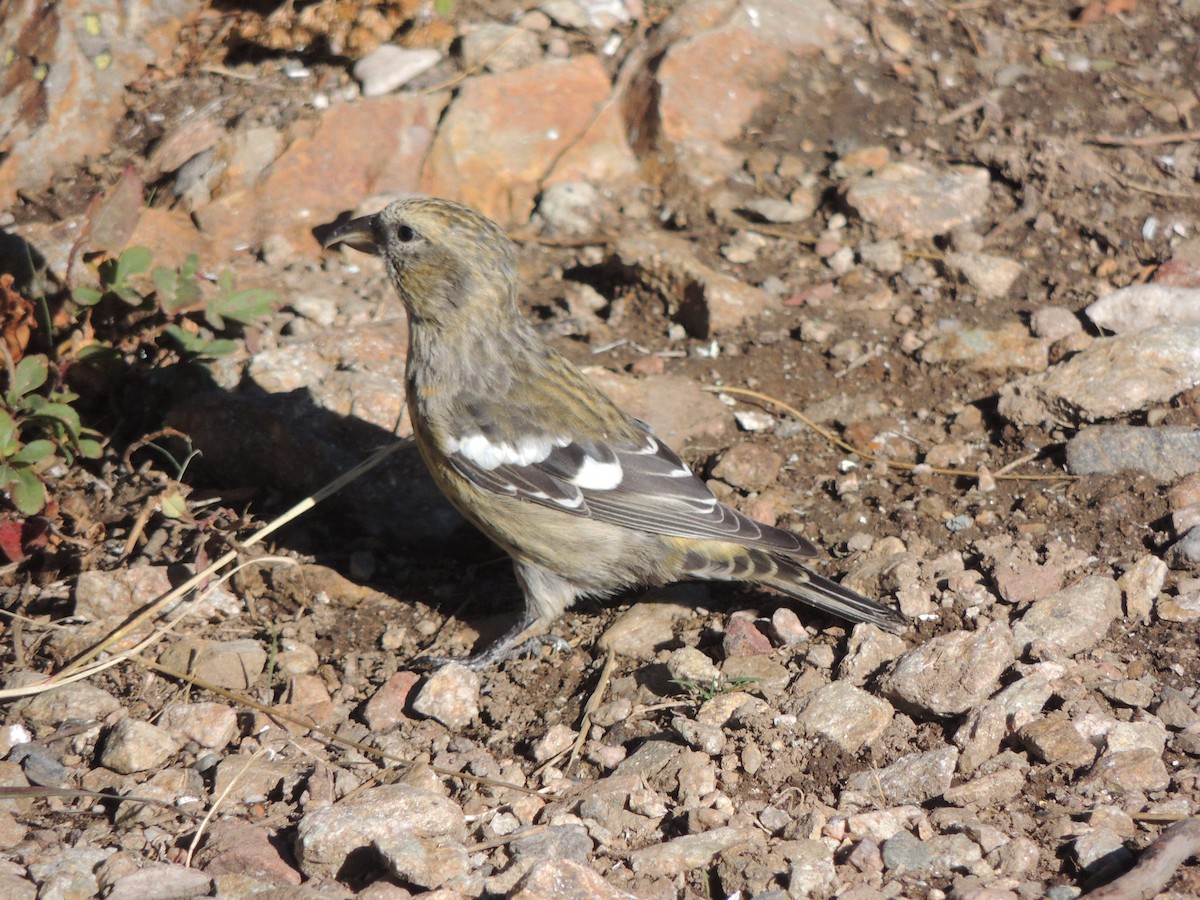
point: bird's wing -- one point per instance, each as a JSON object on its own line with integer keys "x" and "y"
{"x": 637, "y": 482}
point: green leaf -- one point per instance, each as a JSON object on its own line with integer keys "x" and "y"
{"x": 219, "y": 347}
{"x": 34, "y": 451}
{"x": 244, "y": 307}
{"x": 28, "y": 492}
{"x": 8, "y": 435}
{"x": 90, "y": 449}
{"x": 173, "y": 505}
{"x": 86, "y": 296}
{"x": 133, "y": 261}
{"x": 444, "y": 8}
{"x": 177, "y": 288}
{"x": 62, "y": 413}
{"x": 188, "y": 342}
{"x": 30, "y": 374}
{"x": 130, "y": 296}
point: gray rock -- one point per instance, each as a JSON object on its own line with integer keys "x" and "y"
{"x": 907, "y": 200}
{"x": 643, "y": 628}
{"x": 1009, "y": 347}
{"x": 1100, "y": 851}
{"x": 421, "y": 861}
{"x": 160, "y": 881}
{"x": 868, "y": 649}
{"x": 79, "y": 702}
{"x": 248, "y": 780}
{"x": 772, "y": 209}
{"x": 950, "y": 673}
{"x": 388, "y": 67}
{"x": 648, "y": 760}
{"x": 692, "y": 851}
{"x": 913, "y": 778}
{"x": 844, "y": 714}
{"x": 1175, "y": 710}
{"x": 557, "y": 739}
{"x": 211, "y": 725}
{"x": 885, "y": 257}
{"x": 953, "y": 853}
{"x": 555, "y": 842}
{"x": 100, "y": 595}
{"x": 134, "y": 746}
{"x": 316, "y": 308}
{"x": 987, "y": 791}
{"x": 500, "y": 48}
{"x": 1164, "y": 453}
{"x": 1018, "y": 858}
{"x": 326, "y": 836}
{"x": 229, "y": 664}
{"x": 14, "y": 887}
{"x": 1142, "y": 306}
{"x": 1128, "y": 692}
{"x": 11, "y": 775}
{"x": 700, "y": 736}
{"x": 1130, "y": 770}
{"x": 812, "y": 873}
{"x": 788, "y": 629}
{"x": 570, "y": 208}
{"x": 450, "y": 695}
{"x": 1054, "y": 739}
{"x": 1071, "y": 620}
{"x": 1141, "y": 584}
{"x": 903, "y": 850}
{"x": 234, "y": 846}
{"x": 1112, "y": 377}
{"x": 1054, "y": 323}
{"x": 992, "y": 276}
{"x": 1185, "y": 551}
{"x": 39, "y": 766}
{"x": 987, "y": 725}
{"x": 1184, "y": 607}
{"x": 69, "y": 874}
{"x": 565, "y": 879}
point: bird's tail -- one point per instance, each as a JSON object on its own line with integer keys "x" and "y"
{"x": 797, "y": 581}
{"x": 786, "y": 575}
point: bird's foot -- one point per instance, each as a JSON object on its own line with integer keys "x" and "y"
{"x": 513, "y": 645}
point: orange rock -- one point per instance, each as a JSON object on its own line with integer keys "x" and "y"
{"x": 506, "y": 132}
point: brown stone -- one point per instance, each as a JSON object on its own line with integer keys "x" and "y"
{"x": 236, "y": 847}
{"x": 63, "y": 93}
{"x": 505, "y": 132}
{"x": 674, "y": 406}
{"x": 372, "y": 146}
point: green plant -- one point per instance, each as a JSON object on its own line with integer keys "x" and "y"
{"x": 35, "y": 429}
{"x": 179, "y": 293}
{"x": 115, "y": 274}
{"x": 706, "y": 690}
{"x": 189, "y": 318}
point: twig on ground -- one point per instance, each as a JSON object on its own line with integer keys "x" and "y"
{"x": 1158, "y": 864}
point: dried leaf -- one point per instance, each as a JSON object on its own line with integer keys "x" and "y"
{"x": 113, "y": 216}
{"x": 17, "y": 319}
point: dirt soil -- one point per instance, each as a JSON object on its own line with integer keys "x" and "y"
{"x": 1080, "y": 212}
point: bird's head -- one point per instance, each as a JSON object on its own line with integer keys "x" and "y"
{"x": 445, "y": 260}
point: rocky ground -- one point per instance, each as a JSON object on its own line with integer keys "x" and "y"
{"x": 960, "y": 240}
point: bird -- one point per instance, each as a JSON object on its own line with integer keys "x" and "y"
{"x": 585, "y": 498}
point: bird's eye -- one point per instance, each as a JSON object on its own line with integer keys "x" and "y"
{"x": 406, "y": 234}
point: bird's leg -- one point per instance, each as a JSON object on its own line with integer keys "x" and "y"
{"x": 511, "y": 645}
{"x": 546, "y": 596}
